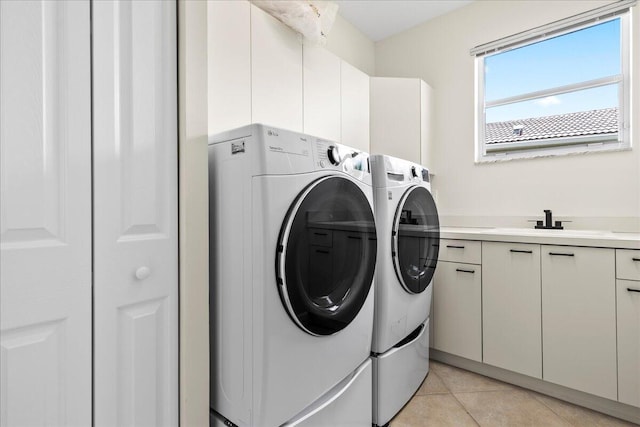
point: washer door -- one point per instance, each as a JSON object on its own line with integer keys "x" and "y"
{"x": 326, "y": 255}
{"x": 416, "y": 239}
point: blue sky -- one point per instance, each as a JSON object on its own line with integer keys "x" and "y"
{"x": 575, "y": 57}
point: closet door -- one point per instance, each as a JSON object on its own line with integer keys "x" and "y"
{"x": 135, "y": 213}
{"x": 45, "y": 220}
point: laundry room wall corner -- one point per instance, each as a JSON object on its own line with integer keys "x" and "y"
{"x": 193, "y": 211}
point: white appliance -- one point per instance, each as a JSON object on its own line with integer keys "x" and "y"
{"x": 293, "y": 254}
{"x": 408, "y": 246}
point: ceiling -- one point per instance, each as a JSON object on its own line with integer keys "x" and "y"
{"x": 379, "y": 19}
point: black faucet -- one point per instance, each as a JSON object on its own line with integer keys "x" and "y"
{"x": 548, "y": 222}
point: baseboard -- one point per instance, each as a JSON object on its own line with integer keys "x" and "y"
{"x": 600, "y": 404}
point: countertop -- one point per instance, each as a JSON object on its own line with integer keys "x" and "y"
{"x": 591, "y": 238}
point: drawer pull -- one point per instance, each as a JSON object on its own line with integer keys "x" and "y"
{"x": 455, "y": 247}
{"x": 635, "y": 259}
{"x": 633, "y": 290}
{"x": 560, "y": 254}
{"x": 520, "y": 251}
{"x": 465, "y": 271}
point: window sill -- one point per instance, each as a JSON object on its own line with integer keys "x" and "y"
{"x": 551, "y": 152}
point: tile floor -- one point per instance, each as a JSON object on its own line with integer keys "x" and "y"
{"x": 455, "y": 397}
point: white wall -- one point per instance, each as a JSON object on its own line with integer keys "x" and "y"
{"x": 600, "y": 190}
{"x": 348, "y": 43}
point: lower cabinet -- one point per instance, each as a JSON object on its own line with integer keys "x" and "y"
{"x": 628, "y": 298}
{"x": 579, "y": 319}
{"x": 565, "y": 314}
{"x": 457, "y": 309}
{"x": 511, "y": 312}
{"x": 628, "y": 305}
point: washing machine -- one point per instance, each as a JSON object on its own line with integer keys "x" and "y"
{"x": 292, "y": 260}
{"x": 408, "y": 246}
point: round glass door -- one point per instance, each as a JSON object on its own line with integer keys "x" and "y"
{"x": 326, "y": 255}
{"x": 416, "y": 239}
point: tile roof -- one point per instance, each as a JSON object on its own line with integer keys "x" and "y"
{"x": 594, "y": 122}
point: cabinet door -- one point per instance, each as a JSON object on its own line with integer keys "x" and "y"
{"x": 321, "y": 73}
{"x": 396, "y": 123}
{"x": 276, "y": 72}
{"x": 229, "y": 64}
{"x": 135, "y": 213}
{"x": 427, "y": 123}
{"x": 628, "y": 298}
{"x": 511, "y": 313}
{"x": 457, "y": 309}
{"x": 355, "y": 107}
{"x": 579, "y": 319}
{"x": 45, "y": 219}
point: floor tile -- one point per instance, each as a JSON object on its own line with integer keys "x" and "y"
{"x": 507, "y": 408}
{"x": 459, "y": 380}
{"x": 441, "y": 410}
{"x": 580, "y": 416}
{"x": 432, "y": 385}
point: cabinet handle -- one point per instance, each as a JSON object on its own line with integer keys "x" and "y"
{"x": 560, "y": 254}
{"x": 455, "y": 247}
{"x": 465, "y": 271}
{"x": 633, "y": 290}
{"x": 635, "y": 259}
{"x": 520, "y": 251}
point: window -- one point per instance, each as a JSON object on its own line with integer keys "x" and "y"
{"x": 562, "y": 88}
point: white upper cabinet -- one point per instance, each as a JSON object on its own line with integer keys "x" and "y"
{"x": 276, "y": 72}
{"x": 45, "y": 217}
{"x": 355, "y": 107}
{"x": 135, "y": 213}
{"x": 260, "y": 72}
{"x": 401, "y": 118}
{"x": 229, "y": 64}
{"x": 321, "y": 76}
{"x": 579, "y": 319}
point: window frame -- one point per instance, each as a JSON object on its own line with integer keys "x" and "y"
{"x": 566, "y": 145}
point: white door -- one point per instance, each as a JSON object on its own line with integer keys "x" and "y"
{"x": 45, "y": 198}
{"x": 135, "y": 213}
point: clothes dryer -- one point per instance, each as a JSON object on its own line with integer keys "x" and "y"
{"x": 408, "y": 246}
{"x": 292, "y": 254}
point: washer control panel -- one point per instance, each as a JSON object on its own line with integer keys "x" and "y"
{"x": 337, "y": 156}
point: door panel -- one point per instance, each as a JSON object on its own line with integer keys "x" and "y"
{"x": 579, "y": 319}
{"x": 45, "y": 220}
{"x": 135, "y": 213}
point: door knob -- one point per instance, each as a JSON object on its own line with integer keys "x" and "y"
{"x": 142, "y": 273}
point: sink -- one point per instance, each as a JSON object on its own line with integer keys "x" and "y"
{"x": 543, "y": 232}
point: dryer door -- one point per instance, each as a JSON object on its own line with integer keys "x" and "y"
{"x": 326, "y": 255}
{"x": 416, "y": 239}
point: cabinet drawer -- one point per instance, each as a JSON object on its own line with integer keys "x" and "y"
{"x": 467, "y": 251}
{"x": 627, "y": 264}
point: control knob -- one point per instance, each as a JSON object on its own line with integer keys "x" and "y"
{"x": 414, "y": 174}
{"x": 334, "y": 155}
